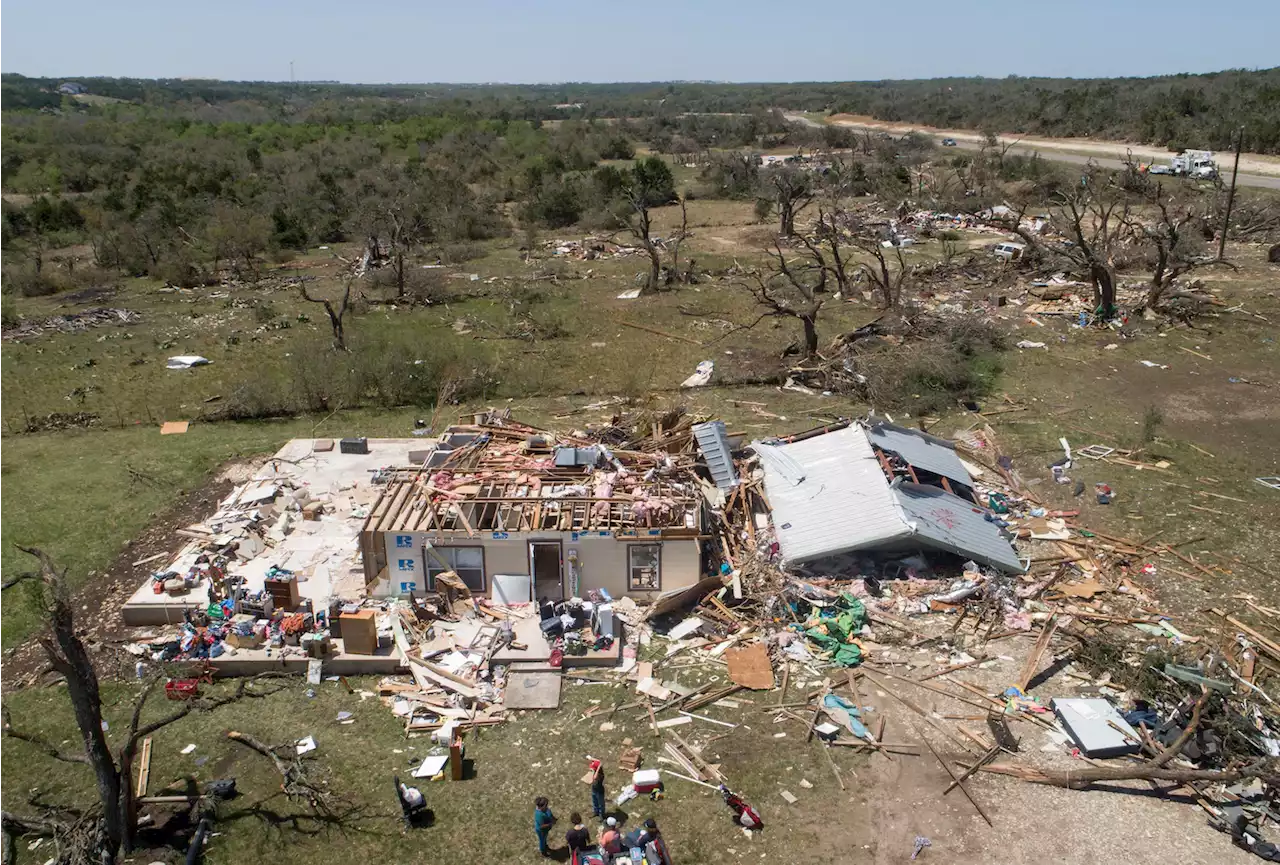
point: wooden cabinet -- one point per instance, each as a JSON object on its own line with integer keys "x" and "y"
{"x": 284, "y": 593}
{"x": 359, "y": 632}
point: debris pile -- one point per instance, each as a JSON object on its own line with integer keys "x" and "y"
{"x": 72, "y": 322}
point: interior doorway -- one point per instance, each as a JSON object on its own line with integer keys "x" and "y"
{"x": 545, "y": 563}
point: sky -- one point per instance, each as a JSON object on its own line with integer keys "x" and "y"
{"x": 525, "y": 41}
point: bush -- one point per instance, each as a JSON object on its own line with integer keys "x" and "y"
{"x": 944, "y": 362}
{"x": 28, "y": 283}
{"x": 926, "y": 377}
{"x": 9, "y": 316}
{"x": 457, "y": 253}
{"x": 265, "y": 313}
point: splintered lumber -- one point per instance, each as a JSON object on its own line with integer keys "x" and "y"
{"x": 657, "y": 332}
{"x": 438, "y": 676}
{"x": 144, "y": 768}
{"x": 955, "y": 778}
{"x": 1079, "y": 779}
{"x": 1033, "y": 660}
{"x": 695, "y": 756}
{"x": 714, "y": 696}
{"x": 1267, "y": 645}
{"x": 951, "y": 669}
{"x": 883, "y": 747}
{"x": 913, "y": 707}
{"x": 826, "y": 750}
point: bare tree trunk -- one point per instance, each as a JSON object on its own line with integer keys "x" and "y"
{"x": 399, "y": 272}
{"x": 809, "y": 322}
{"x": 1104, "y": 288}
{"x": 655, "y": 267}
{"x": 786, "y": 219}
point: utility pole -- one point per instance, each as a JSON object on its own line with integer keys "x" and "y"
{"x": 1231, "y": 195}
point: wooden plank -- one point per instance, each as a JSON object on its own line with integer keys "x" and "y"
{"x": 1033, "y": 660}
{"x": 443, "y": 678}
{"x": 955, "y": 778}
{"x": 144, "y": 769}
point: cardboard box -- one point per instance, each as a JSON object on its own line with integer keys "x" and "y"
{"x": 252, "y": 641}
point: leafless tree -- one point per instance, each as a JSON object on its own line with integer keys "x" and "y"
{"x": 337, "y": 317}
{"x": 1092, "y": 216}
{"x": 1176, "y": 240}
{"x": 639, "y": 224}
{"x": 672, "y": 271}
{"x": 789, "y": 290}
{"x": 792, "y": 189}
{"x": 835, "y": 261}
{"x": 116, "y": 815}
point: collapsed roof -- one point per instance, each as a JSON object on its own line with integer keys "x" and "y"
{"x": 511, "y": 477}
{"x": 860, "y": 488}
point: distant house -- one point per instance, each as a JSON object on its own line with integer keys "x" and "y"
{"x": 72, "y": 88}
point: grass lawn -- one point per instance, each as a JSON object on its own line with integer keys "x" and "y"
{"x": 487, "y": 817}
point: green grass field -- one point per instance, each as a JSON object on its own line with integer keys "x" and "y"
{"x": 83, "y": 494}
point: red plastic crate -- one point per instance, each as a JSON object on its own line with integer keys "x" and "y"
{"x": 181, "y": 689}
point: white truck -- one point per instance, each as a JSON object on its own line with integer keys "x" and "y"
{"x": 1197, "y": 164}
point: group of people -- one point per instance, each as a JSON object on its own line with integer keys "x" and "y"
{"x": 611, "y": 842}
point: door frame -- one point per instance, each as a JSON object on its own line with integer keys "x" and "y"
{"x": 533, "y": 573}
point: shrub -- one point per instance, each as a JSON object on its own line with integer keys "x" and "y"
{"x": 28, "y": 283}
{"x": 9, "y": 316}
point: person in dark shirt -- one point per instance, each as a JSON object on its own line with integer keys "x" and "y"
{"x": 578, "y": 838}
{"x": 597, "y": 789}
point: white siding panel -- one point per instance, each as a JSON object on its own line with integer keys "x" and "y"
{"x": 842, "y": 503}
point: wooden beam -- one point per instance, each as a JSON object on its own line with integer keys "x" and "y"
{"x": 144, "y": 769}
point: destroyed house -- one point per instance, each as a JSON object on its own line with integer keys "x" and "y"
{"x": 880, "y": 489}
{"x": 522, "y": 516}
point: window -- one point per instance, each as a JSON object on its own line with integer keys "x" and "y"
{"x": 467, "y": 562}
{"x": 644, "y": 571}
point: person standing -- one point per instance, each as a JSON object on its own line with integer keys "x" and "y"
{"x": 597, "y": 789}
{"x": 655, "y": 848}
{"x": 578, "y": 838}
{"x": 542, "y": 822}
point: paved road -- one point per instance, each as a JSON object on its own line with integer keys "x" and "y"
{"x": 1078, "y": 159}
{"x": 1258, "y": 180}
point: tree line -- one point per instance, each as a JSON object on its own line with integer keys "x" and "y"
{"x": 1175, "y": 111}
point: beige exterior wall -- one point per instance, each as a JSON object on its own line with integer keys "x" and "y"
{"x": 601, "y": 562}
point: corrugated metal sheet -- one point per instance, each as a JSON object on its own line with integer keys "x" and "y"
{"x": 921, "y": 450}
{"x": 829, "y": 496}
{"x": 948, "y": 522}
{"x": 713, "y": 441}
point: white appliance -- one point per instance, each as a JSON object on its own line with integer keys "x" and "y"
{"x": 604, "y": 619}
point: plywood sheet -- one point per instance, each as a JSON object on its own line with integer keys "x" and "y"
{"x": 749, "y": 667}
{"x": 534, "y": 690}
{"x": 174, "y": 427}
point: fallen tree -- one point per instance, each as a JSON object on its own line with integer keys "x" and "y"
{"x": 102, "y": 832}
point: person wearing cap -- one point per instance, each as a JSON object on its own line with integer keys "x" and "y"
{"x": 610, "y": 840}
{"x": 597, "y": 789}
{"x": 655, "y": 849}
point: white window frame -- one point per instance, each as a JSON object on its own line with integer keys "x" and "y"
{"x": 631, "y": 568}
{"x": 449, "y": 554}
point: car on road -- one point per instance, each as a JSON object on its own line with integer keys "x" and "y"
{"x": 948, "y": 142}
